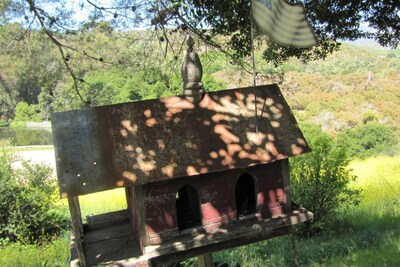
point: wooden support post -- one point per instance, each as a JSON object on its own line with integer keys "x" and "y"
{"x": 294, "y": 248}
{"x": 128, "y": 195}
{"x": 139, "y": 216}
{"x": 286, "y": 185}
{"x": 77, "y": 227}
{"x": 205, "y": 260}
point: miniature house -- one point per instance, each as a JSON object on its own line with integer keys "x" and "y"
{"x": 199, "y": 177}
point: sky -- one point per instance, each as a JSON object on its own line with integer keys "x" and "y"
{"x": 82, "y": 10}
{"x": 85, "y": 7}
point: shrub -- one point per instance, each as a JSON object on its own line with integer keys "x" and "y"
{"x": 32, "y": 136}
{"x": 25, "y": 112}
{"x": 28, "y": 213}
{"x": 211, "y": 84}
{"x": 368, "y": 140}
{"x": 320, "y": 180}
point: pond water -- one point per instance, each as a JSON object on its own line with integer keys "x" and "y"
{"x": 25, "y": 136}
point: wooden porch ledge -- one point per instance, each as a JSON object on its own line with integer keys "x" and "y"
{"x": 108, "y": 239}
{"x": 240, "y": 232}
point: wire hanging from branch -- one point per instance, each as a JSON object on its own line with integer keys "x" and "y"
{"x": 253, "y": 63}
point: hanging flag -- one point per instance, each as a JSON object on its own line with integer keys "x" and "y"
{"x": 283, "y": 22}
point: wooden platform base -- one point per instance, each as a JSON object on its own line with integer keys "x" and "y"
{"x": 108, "y": 239}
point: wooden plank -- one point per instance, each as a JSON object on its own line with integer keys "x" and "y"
{"x": 81, "y": 148}
{"x": 235, "y": 233}
{"x": 128, "y": 195}
{"x": 109, "y": 239}
{"x": 110, "y": 217}
{"x": 77, "y": 228}
{"x": 76, "y": 214}
{"x": 116, "y": 244}
{"x": 139, "y": 222}
{"x": 286, "y": 185}
{"x": 111, "y": 250}
{"x": 107, "y": 232}
{"x": 179, "y": 255}
{"x": 205, "y": 260}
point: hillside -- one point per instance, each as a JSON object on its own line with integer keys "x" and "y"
{"x": 351, "y": 87}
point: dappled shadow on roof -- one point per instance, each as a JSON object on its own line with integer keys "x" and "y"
{"x": 154, "y": 140}
{"x": 175, "y": 138}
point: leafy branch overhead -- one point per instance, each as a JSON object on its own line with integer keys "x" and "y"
{"x": 224, "y": 25}
{"x": 332, "y": 21}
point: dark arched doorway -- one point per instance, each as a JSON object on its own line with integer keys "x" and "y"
{"x": 245, "y": 195}
{"x": 188, "y": 208}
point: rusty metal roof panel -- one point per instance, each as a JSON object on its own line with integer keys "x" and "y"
{"x": 141, "y": 142}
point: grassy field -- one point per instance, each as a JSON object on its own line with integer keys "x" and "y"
{"x": 103, "y": 202}
{"x": 368, "y": 235}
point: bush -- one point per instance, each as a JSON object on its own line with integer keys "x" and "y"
{"x": 368, "y": 140}
{"x": 28, "y": 213}
{"x": 320, "y": 180}
{"x": 25, "y": 112}
{"x": 211, "y": 84}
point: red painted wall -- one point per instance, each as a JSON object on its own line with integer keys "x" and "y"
{"x": 217, "y": 197}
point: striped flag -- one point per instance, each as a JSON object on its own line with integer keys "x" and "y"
{"x": 283, "y": 22}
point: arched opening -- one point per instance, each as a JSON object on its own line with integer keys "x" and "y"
{"x": 188, "y": 208}
{"x": 245, "y": 195}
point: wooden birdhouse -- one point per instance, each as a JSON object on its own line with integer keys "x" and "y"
{"x": 202, "y": 172}
{"x": 200, "y": 176}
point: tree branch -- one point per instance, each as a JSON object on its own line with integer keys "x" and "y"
{"x": 60, "y": 47}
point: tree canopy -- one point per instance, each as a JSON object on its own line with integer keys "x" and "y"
{"x": 332, "y": 21}
{"x": 72, "y": 27}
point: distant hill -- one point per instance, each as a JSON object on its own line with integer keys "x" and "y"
{"x": 358, "y": 84}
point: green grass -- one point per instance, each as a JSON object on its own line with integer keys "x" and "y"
{"x": 380, "y": 180}
{"x": 367, "y": 235}
{"x": 98, "y": 203}
{"x": 52, "y": 255}
{"x": 387, "y": 254}
{"x": 102, "y": 202}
